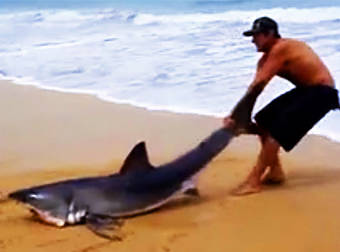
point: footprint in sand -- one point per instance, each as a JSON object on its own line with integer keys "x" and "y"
{"x": 173, "y": 238}
{"x": 166, "y": 249}
{"x": 3, "y": 196}
{"x": 177, "y": 236}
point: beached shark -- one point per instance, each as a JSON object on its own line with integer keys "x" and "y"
{"x": 139, "y": 187}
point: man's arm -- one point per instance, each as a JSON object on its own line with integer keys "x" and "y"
{"x": 267, "y": 68}
{"x": 241, "y": 113}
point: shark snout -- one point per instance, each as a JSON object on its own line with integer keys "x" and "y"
{"x": 25, "y": 196}
{"x": 18, "y": 195}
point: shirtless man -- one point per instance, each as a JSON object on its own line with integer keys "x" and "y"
{"x": 285, "y": 120}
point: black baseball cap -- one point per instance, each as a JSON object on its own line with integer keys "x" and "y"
{"x": 263, "y": 24}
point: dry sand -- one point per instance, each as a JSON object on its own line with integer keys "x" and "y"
{"x": 46, "y": 136}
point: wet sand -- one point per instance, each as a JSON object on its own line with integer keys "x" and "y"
{"x": 46, "y": 136}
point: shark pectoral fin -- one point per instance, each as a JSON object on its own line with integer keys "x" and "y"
{"x": 105, "y": 226}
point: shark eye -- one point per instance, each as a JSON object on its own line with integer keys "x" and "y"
{"x": 36, "y": 196}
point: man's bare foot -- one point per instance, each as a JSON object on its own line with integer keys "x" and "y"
{"x": 273, "y": 178}
{"x": 245, "y": 189}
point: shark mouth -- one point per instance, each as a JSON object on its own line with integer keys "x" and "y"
{"x": 47, "y": 217}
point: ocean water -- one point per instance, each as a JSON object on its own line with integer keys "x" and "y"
{"x": 186, "y": 56}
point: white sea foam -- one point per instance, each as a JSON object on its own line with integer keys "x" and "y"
{"x": 292, "y": 15}
{"x": 196, "y": 63}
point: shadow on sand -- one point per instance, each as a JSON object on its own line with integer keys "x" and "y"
{"x": 311, "y": 177}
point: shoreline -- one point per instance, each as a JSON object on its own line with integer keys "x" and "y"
{"x": 127, "y": 103}
{"x": 48, "y": 136}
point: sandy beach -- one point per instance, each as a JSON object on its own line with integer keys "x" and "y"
{"x": 47, "y": 136}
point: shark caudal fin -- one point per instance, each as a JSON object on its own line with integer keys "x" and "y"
{"x": 137, "y": 160}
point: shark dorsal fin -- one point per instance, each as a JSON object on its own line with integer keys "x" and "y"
{"x": 137, "y": 160}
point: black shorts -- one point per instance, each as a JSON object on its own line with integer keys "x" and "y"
{"x": 290, "y": 116}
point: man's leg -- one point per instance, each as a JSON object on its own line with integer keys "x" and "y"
{"x": 268, "y": 157}
{"x": 274, "y": 175}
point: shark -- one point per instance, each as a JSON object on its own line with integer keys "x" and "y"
{"x": 102, "y": 203}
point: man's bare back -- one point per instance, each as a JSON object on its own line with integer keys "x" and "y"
{"x": 297, "y": 63}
